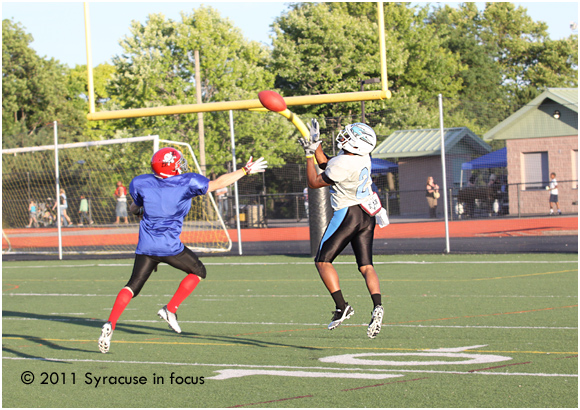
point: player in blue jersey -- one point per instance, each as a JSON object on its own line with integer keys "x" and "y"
{"x": 356, "y": 211}
{"x": 163, "y": 199}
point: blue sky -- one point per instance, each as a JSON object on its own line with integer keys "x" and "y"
{"x": 59, "y": 32}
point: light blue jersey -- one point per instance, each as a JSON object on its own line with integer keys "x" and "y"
{"x": 166, "y": 203}
{"x": 351, "y": 175}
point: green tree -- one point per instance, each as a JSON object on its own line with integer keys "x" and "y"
{"x": 510, "y": 58}
{"x": 157, "y": 68}
{"x": 102, "y": 75}
{"x": 528, "y": 59}
{"x": 34, "y": 91}
{"x": 482, "y": 97}
{"x": 329, "y": 48}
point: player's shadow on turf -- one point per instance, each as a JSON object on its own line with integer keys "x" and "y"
{"x": 29, "y": 356}
{"x": 46, "y": 343}
{"x": 89, "y": 322}
{"x": 244, "y": 341}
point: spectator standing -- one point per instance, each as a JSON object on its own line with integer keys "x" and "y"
{"x": 62, "y": 208}
{"x": 121, "y": 209}
{"x": 432, "y": 193}
{"x": 32, "y": 214}
{"x": 84, "y": 211}
{"x": 553, "y": 187}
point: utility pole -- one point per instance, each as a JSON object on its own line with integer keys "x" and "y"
{"x": 199, "y": 114}
{"x": 362, "y": 86}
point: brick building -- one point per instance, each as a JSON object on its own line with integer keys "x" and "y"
{"x": 542, "y": 138}
{"x": 418, "y": 155}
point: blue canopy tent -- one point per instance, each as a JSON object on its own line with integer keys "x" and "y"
{"x": 495, "y": 159}
{"x": 382, "y": 166}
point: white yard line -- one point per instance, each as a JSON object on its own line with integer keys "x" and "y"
{"x": 225, "y": 297}
{"x": 108, "y": 265}
{"x": 307, "y": 368}
{"x": 210, "y": 322}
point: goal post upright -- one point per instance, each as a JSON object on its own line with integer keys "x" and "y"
{"x": 382, "y": 94}
{"x": 255, "y": 104}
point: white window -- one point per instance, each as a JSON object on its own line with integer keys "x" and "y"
{"x": 536, "y": 170}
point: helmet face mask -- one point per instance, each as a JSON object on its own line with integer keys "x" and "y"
{"x": 168, "y": 162}
{"x": 357, "y": 138}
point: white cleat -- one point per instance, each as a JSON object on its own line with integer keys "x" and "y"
{"x": 170, "y": 318}
{"x": 340, "y": 316}
{"x": 105, "y": 339}
{"x": 376, "y": 322}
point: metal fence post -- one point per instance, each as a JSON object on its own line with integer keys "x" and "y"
{"x": 519, "y": 205}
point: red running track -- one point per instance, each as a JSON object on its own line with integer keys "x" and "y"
{"x": 111, "y": 236}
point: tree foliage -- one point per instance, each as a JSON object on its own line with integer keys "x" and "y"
{"x": 330, "y": 47}
{"x": 511, "y": 58}
{"x": 157, "y": 68}
{"x": 486, "y": 63}
{"x": 35, "y": 91}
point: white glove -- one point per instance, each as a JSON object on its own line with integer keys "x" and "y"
{"x": 382, "y": 218}
{"x": 311, "y": 145}
{"x": 253, "y": 167}
{"x": 314, "y": 129}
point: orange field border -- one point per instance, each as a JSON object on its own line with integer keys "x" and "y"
{"x": 81, "y": 237}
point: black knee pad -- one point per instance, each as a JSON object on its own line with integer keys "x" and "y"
{"x": 200, "y": 269}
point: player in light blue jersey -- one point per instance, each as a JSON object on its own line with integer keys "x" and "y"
{"x": 356, "y": 211}
{"x": 163, "y": 199}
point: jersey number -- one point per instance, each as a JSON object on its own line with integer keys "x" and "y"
{"x": 363, "y": 191}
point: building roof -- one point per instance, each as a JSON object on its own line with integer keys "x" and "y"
{"x": 420, "y": 143}
{"x": 536, "y": 119}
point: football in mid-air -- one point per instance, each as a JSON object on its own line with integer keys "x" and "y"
{"x": 272, "y": 101}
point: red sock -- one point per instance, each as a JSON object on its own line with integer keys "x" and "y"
{"x": 185, "y": 288}
{"x": 123, "y": 299}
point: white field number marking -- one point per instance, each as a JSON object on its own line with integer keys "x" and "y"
{"x": 452, "y": 353}
{"x": 355, "y": 359}
{"x": 233, "y": 373}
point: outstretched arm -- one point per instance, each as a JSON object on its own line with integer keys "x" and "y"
{"x": 225, "y": 180}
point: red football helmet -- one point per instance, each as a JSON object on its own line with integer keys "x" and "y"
{"x": 168, "y": 162}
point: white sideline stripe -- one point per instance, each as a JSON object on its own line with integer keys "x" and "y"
{"x": 225, "y": 297}
{"x": 70, "y": 294}
{"x": 209, "y": 322}
{"x": 107, "y": 265}
{"x": 288, "y": 367}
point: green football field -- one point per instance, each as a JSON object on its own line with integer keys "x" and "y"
{"x": 459, "y": 331}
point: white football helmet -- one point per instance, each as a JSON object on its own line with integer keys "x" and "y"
{"x": 357, "y": 138}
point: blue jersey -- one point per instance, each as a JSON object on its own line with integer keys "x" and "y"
{"x": 166, "y": 203}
